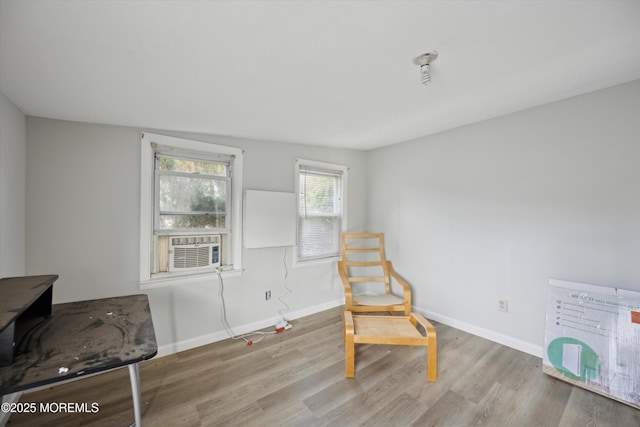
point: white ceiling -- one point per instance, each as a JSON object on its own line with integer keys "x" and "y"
{"x": 335, "y": 73}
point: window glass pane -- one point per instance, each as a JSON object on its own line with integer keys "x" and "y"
{"x": 319, "y": 237}
{"x": 187, "y": 194}
{"x": 318, "y": 194}
{"x": 171, "y": 164}
{"x": 175, "y": 222}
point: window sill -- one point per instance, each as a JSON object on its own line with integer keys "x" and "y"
{"x": 163, "y": 280}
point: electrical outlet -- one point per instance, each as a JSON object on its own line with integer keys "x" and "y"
{"x": 267, "y": 295}
{"x": 502, "y": 305}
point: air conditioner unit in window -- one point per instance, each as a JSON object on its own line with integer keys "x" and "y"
{"x": 189, "y": 253}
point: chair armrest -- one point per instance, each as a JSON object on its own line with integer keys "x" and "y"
{"x": 349, "y": 327}
{"x": 348, "y": 294}
{"x": 405, "y": 286}
{"x": 428, "y": 327}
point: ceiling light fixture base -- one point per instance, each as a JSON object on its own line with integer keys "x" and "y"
{"x": 424, "y": 61}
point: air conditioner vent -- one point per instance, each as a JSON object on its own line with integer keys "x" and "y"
{"x": 191, "y": 257}
{"x": 194, "y": 252}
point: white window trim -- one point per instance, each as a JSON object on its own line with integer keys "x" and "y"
{"x": 343, "y": 223}
{"x": 147, "y": 200}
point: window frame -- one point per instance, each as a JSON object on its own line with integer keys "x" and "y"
{"x": 319, "y": 166}
{"x": 192, "y": 149}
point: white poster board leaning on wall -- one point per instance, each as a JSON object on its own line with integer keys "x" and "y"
{"x": 269, "y": 219}
{"x": 592, "y": 339}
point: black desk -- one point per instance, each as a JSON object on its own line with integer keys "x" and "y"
{"x": 82, "y": 338}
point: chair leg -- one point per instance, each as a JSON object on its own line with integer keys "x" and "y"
{"x": 432, "y": 354}
{"x": 349, "y": 357}
{"x": 349, "y": 343}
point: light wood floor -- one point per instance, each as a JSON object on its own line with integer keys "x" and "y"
{"x": 297, "y": 379}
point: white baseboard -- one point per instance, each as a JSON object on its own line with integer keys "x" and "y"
{"x": 520, "y": 345}
{"x": 517, "y": 344}
{"x": 176, "y": 347}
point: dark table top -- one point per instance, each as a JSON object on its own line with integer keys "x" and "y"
{"x": 18, "y": 293}
{"x": 81, "y": 338}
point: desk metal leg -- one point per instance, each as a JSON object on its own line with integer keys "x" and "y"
{"x": 134, "y": 376}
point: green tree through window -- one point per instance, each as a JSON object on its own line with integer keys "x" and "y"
{"x": 192, "y": 194}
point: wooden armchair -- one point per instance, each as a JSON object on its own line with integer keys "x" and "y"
{"x": 363, "y": 268}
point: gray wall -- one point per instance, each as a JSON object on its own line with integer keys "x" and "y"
{"x": 13, "y": 149}
{"x": 495, "y": 209}
{"x": 83, "y": 214}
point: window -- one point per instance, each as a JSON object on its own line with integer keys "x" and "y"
{"x": 190, "y": 208}
{"x": 321, "y": 189}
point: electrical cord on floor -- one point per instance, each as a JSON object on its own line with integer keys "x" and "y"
{"x": 284, "y": 284}
{"x": 225, "y": 323}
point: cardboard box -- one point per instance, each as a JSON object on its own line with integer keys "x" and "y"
{"x": 592, "y": 339}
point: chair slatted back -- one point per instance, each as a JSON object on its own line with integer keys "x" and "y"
{"x": 377, "y": 247}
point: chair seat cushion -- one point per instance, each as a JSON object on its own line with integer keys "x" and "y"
{"x": 384, "y": 299}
